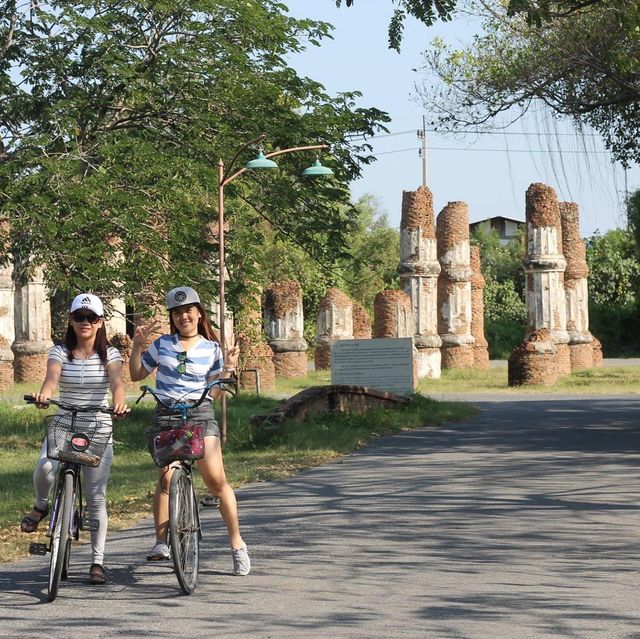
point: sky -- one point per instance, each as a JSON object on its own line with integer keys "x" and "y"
{"x": 490, "y": 173}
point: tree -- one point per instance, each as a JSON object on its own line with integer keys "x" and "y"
{"x": 113, "y": 115}
{"x": 430, "y": 11}
{"x": 584, "y": 64}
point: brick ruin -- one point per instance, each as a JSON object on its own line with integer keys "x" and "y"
{"x": 361, "y": 322}
{"x": 581, "y": 346}
{"x": 419, "y": 269}
{"x": 335, "y": 321}
{"x": 454, "y": 286}
{"x": 284, "y": 326}
{"x": 392, "y": 315}
{"x": 7, "y": 333}
{"x": 480, "y": 345}
{"x": 32, "y": 325}
{"x": 256, "y": 356}
{"x": 544, "y": 354}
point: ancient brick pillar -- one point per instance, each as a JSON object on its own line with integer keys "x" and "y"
{"x": 32, "y": 315}
{"x": 454, "y": 286}
{"x": 480, "y": 346}
{"x": 284, "y": 326}
{"x": 361, "y": 322}
{"x": 7, "y": 332}
{"x": 256, "y": 357}
{"x": 335, "y": 321}
{"x": 392, "y": 315}
{"x": 597, "y": 352}
{"x": 576, "y": 289}
{"x": 544, "y": 267}
{"x": 419, "y": 269}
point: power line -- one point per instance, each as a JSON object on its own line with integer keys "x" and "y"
{"x": 475, "y": 150}
{"x": 478, "y": 132}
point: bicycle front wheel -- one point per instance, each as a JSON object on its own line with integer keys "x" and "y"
{"x": 184, "y": 530}
{"x": 60, "y": 539}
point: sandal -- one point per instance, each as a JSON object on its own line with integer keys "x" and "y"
{"x": 29, "y": 524}
{"x": 96, "y": 575}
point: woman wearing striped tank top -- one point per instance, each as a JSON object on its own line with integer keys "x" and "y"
{"x": 85, "y": 367}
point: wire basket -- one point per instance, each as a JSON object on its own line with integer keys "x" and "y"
{"x": 172, "y": 439}
{"x": 80, "y": 440}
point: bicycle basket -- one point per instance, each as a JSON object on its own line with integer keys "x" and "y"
{"x": 82, "y": 440}
{"x": 171, "y": 440}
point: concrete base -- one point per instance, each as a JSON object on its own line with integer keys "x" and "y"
{"x": 428, "y": 362}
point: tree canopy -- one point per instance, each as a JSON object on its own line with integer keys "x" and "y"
{"x": 583, "y": 63}
{"x": 430, "y": 11}
{"x": 113, "y": 115}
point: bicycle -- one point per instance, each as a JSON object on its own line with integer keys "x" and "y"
{"x": 74, "y": 440}
{"x": 177, "y": 440}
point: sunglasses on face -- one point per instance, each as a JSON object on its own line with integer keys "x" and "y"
{"x": 81, "y": 316}
{"x": 182, "y": 362}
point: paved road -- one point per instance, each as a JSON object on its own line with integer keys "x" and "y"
{"x": 523, "y": 522}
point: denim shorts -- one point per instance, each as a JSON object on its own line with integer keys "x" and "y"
{"x": 203, "y": 414}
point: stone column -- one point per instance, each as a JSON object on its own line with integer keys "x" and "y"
{"x": 576, "y": 289}
{"x": 255, "y": 353}
{"x": 480, "y": 347}
{"x": 32, "y": 314}
{"x": 284, "y": 326}
{"x": 454, "y": 286}
{"x": 7, "y": 332}
{"x": 419, "y": 269}
{"x": 392, "y": 315}
{"x": 335, "y": 321}
{"x": 116, "y": 321}
{"x": 361, "y": 322}
{"x": 536, "y": 361}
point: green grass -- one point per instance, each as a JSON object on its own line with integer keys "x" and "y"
{"x": 252, "y": 453}
{"x": 620, "y": 380}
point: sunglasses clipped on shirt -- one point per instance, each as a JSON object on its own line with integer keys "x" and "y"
{"x": 182, "y": 362}
{"x": 83, "y": 316}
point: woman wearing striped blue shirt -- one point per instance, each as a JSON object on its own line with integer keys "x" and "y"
{"x": 185, "y": 360}
{"x": 85, "y": 367}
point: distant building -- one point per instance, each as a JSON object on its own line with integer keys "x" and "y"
{"x": 506, "y": 227}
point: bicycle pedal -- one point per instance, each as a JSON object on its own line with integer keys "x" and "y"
{"x": 36, "y": 548}
{"x": 210, "y": 502}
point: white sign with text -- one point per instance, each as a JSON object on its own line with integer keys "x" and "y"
{"x": 385, "y": 364}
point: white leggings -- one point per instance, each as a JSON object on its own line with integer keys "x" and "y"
{"x": 94, "y": 488}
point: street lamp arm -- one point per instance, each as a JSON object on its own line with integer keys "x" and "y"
{"x": 226, "y": 179}
{"x": 294, "y": 149}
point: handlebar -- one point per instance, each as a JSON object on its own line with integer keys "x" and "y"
{"x": 69, "y": 407}
{"x": 181, "y": 407}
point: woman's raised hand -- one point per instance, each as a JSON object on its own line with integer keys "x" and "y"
{"x": 231, "y": 353}
{"x": 142, "y": 332}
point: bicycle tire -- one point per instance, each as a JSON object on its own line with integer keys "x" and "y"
{"x": 60, "y": 535}
{"x": 184, "y": 530}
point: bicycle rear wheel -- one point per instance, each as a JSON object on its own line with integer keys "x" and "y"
{"x": 184, "y": 530}
{"x": 60, "y": 539}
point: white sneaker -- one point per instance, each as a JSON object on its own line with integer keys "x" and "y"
{"x": 241, "y": 561}
{"x": 160, "y": 552}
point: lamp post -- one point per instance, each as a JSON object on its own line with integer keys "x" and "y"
{"x": 225, "y": 177}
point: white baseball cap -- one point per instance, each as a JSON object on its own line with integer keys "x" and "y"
{"x": 181, "y": 296}
{"x": 89, "y": 302}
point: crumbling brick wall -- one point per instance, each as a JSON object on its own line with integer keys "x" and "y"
{"x": 576, "y": 288}
{"x": 480, "y": 346}
{"x": 335, "y": 321}
{"x": 454, "y": 286}
{"x": 284, "y": 326}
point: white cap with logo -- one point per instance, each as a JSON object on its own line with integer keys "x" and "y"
{"x": 181, "y": 296}
{"x": 89, "y": 302}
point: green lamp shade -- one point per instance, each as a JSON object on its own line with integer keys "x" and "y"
{"x": 317, "y": 169}
{"x": 261, "y": 162}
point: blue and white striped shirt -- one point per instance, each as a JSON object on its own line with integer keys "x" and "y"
{"x": 203, "y": 361}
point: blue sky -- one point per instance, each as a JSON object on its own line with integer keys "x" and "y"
{"x": 489, "y": 173}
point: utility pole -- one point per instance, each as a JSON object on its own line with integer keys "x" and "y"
{"x": 422, "y": 135}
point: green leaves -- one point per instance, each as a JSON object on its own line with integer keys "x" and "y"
{"x": 113, "y": 116}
